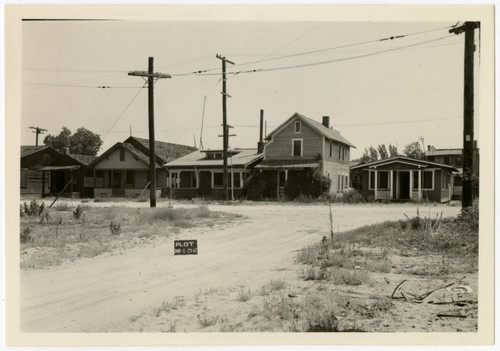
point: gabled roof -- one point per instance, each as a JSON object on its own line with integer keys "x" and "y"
{"x": 30, "y": 149}
{"x": 138, "y": 154}
{"x": 84, "y": 160}
{"x": 403, "y": 159}
{"x": 165, "y": 152}
{"x": 198, "y": 158}
{"x": 319, "y": 127}
{"x": 139, "y": 148}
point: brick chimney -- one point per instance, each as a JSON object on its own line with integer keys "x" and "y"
{"x": 260, "y": 144}
{"x": 326, "y": 121}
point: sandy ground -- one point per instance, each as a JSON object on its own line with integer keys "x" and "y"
{"x": 106, "y": 292}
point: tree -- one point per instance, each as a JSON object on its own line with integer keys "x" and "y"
{"x": 393, "y": 150}
{"x": 382, "y": 151}
{"x": 82, "y": 142}
{"x": 85, "y": 142}
{"x": 369, "y": 155}
{"x": 373, "y": 153}
{"x": 413, "y": 150}
{"x": 59, "y": 142}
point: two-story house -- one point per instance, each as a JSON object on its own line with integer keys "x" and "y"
{"x": 301, "y": 144}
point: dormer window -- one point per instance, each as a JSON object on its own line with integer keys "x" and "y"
{"x": 298, "y": 126}
{"x": 122, "y": 155}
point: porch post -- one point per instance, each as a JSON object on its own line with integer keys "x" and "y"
{"x": 286, "y": 175}
{"x": 197, "y": 177}
{"x": 111, "y": 181}
{"x": 376, "y": 187}
{"x": 397, "y": 185}
{"x": 419, "y": 184}
{"x": 411, "y": 185}
{"x": 390, "y": 186}
{"x": 93, "y": 173}
{"x": 71, "y": 187}
{"x": 43, "y": 183}
{"x": 278, "y": 188}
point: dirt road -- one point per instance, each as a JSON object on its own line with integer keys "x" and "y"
{"x": 104, "y": 293}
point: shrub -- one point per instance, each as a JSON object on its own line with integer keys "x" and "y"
{"x": 244, "y": 295}
{"x": 207, "y": 321}
{"x": 21, "y": 211}
{"x": 469, "y": 217}
{"x": 351, "y": 196}
{"x": 78, "y": 212}
{"x": 26, "y": 236}
{"x": 115, "y": 229}
{"x": 308, "y": 183}
{"x": 319, "y": 314}
{"x": 349, "y": 277}
{"x": 34, "y": 208}
{"x": 279, "y": 284}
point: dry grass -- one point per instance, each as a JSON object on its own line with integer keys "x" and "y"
{"x": 63, "y": 236}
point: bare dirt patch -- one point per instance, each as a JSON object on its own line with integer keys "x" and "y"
{"x": 126, "y": 292}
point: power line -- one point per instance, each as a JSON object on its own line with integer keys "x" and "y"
{"x": 205, "y": 71}
{"x": 84, "y": 86}
{"x": 123, "y": 112}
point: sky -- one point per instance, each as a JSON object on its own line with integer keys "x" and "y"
{"x": 375, "y": 91}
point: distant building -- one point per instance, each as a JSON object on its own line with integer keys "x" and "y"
{"x": 33, "y": 158}
{"x": 123, "y": 169}
{"x": 454, "y": 157}
{"x": 300, "y": 144}
{"x": 404, "y": 179}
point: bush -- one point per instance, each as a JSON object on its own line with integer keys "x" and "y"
{"x": 469, "y": 217}
{"x": 26, "y": 236}
{"x": 308, "y": 183}
{"x": 77, "y": 214}
{"x": 350, "y": 196}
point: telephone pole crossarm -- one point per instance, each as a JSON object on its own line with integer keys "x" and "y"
{"x": 148, "y": 75}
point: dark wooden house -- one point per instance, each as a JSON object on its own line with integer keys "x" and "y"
{"x": 33, "y": 159}
{"x": 70, "y": 176}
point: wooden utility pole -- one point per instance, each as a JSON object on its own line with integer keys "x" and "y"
{"x": 224, "y": 121}
{"x": 468, "y": 138}
{"x": 151, "y": 76}
{"x": 38, "y": 130}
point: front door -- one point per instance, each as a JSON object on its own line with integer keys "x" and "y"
{"x": 118, "y": 188}
{"x": 404, "y": 185}
{"x": 205, "y": 183}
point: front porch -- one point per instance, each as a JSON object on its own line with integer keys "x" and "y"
{"x": 124, "y": 183}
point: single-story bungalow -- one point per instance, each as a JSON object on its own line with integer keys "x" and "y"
{"x": 33, "y": 158}
{"x": 403, "y": 178}
{"x": 123, "y": 169}
{"x": 70, "y": 176}
{"x": 200, "y": 174}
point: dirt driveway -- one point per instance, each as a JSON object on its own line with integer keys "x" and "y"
{"x": 104, "y": 293}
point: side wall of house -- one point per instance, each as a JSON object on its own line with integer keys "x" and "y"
{"x": 280, "y": 148}
{"x": 337, "y": 171}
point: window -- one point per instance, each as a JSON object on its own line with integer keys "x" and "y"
{"x": 431, "y": 158}
{"x": 237, "y": 179}
{"x": 340, "y": 151}
{"x": 382, "y": 180}
{"x": 339, "y": 182}
{"x": 446, "y": 160}
{"x": 346, "y": 183}
{"x": 218, "y": 179}
{"x": 427, "y": 180}
{"x": 187, "y": 179}
{"x": 445, "y": 180}
{"x": 298, "y": 126}
{"x": 297, "y": 147}
{"x": 458, "y": 161}
{"x": 46, "y": 159}
{"x": 130, "y": 179}
{"x": 331, "y": 148}
{"x": 122, "y": 155}
{"x": 218, "y": 155}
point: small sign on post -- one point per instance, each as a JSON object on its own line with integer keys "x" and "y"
{"x": 185, "y": 247}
